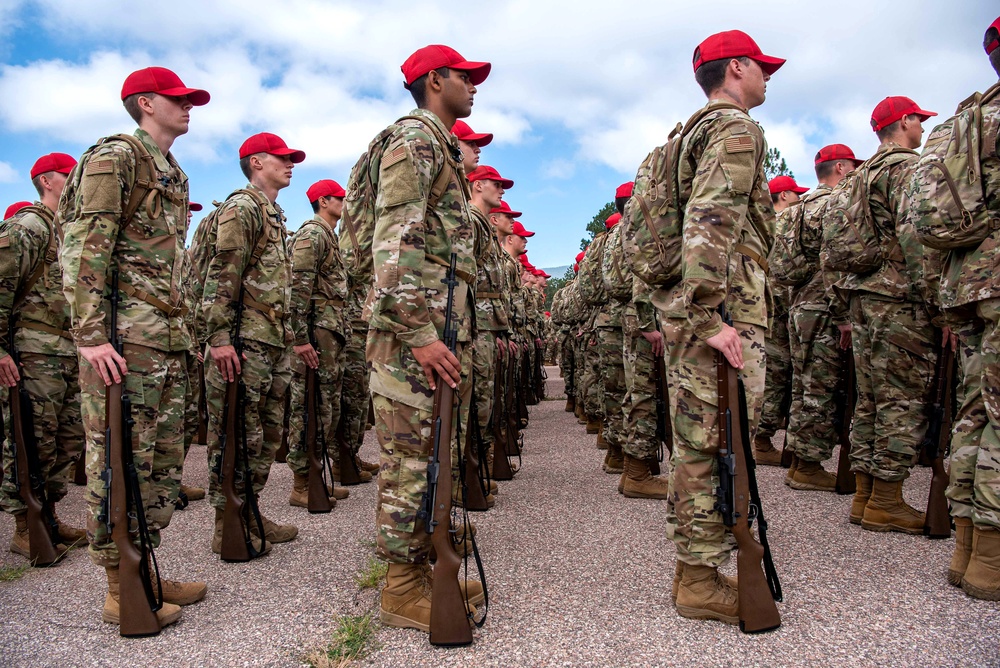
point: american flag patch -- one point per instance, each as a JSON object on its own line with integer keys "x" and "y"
{"x": 740, "y": 144}
{"x": 396, "y": 155}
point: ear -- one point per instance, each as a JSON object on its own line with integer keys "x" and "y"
{"x": 434, "y": 81}
{"x": 255, "y": 162}
{"x": 736, "y": 67}
{"x": 145, "y": 104}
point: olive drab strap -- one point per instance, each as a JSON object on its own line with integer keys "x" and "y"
{"x": 146, "y": 189}
{"x": 43, "y": 262}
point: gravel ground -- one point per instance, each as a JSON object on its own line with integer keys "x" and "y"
{"x": 577, "y": 574}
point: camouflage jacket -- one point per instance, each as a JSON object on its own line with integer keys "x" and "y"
{"x": 30, "y": 242}
{"x": 147, "y": 251}
{"x": 318, "y": 280}
{"x": 913, "y": 274}
{"x": 812, "y": 294}
{"x": 242, "y": 222}
{"x": 192, "y": 300}
{"x": 642, "y": 305}
{"x": 492, "y": 298}
{"x": 512, "y": 275}
{"x": 728, "y": 224}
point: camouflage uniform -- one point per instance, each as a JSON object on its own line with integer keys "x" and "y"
{"x": 229, "y": 248}
{"x": 412, "y": 241}
{"x": 319, "y": 284}
{"x": 640, "y": 375}
{"x": 518, "y": 313}
{"x": 49, "y": 368}
{"x": 192, "y": 299}
{"x": 563, "y": 338}
{"x": 148, "y": 252}
{"x": 774, "y": 414}
{"x": 815, "y": 345}
{"x": 892, "y": 335}
{"x": 728, "y": 229}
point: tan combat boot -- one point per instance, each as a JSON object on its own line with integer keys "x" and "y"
{"x": 963, "y": 551}
{"x": 363, "y": 476}
{"x": 764, "y": 452}
{"x": 640, "y": 483}
{"x": 217, "y": 537}
{"x": 812, "y": 476}
{"x": 21, "y": 542}
{"x": 366, "y": 466}
{"x": 277, "y": 533}
{"x": 472, "y": 590}
{"x": 167, "y": 614}
{"x": 180, "y": 593}
{"x": 704, "y": 594}
{"x": 791, "y": 470}
{"x": 982, "y": 577}
{"x": 862, "y": 492}
{"x": 406, "y": 598}
{"x": 67, "y": 534}
{"x": 462, "y": 546}
{"x": 593, "y": 425}
{"x": 602, "y": 443}
{"x": 580, "y": 417}
{"x": 299, "y": 497}
{"x": 614, "y": 461}
{"x": 570, "y": 404}
{"x": 193, "y": 493}
{"x": 887, "y": 511}
{"x": 494, "y": 488}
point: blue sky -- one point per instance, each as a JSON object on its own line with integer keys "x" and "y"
{"x": 579, "y": 92}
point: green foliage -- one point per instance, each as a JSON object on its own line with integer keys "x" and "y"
{"x": 596, "y": 225}
{"x": 11, "y": 573}
{"x": 351, "y": 641}
{"x": 371, "y": 575}
{"x": 775, "y": 165}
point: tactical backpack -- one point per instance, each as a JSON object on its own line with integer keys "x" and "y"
{"x": 203, "y": 242}
{"x": 947, "y": 195}
{"x": 362, "y": 189}
{"x": 789, "y": 263}
{"x": 851, "y": 241}
{"x": 615, "y": 272}
{"x": 653, "y": 220}
{"x": 590, "y": 280}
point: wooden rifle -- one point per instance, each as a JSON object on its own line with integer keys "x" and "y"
{"x": 937, "y": 519}
{"x": 502, "y": 437}
{"x": 475, "y": 494}
{"x": 845, "y": 396}
{"x": 739, "y": 503}
{"x": 314, "y": 439}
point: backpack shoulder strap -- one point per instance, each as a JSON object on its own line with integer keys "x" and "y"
{"x": 145, "y": 175}
{"x": 261, "y": 243}
{"x": 444, "y": 177}
{"x": 43, "y": 262}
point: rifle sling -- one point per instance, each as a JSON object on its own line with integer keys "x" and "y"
{"x": 172, "y": 311}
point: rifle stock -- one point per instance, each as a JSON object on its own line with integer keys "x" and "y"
{"x": 845, "y": 397}
{"x": 475, "y": 498}
{"x": 349, "y": 474}
{"x": 664, "y": 429}
{"x": 202, "y": 407}
{"x": 318, "y": 501}
{"x": 937, "y": 519}
{"x": 501, "y": 419}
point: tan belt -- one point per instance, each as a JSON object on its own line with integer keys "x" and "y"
{"x": 464, "y": 275}
{"x": 142, "y": 295}
{"x": 320, "y": 303}
{"x": 488, "y": 295}
{"x": 37, "y": 326}
{"x": 753, "y": 255}
{"x": 273, "y": 314}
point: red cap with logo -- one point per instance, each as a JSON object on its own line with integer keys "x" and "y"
{"x": 14, "y": 208}
{"x": 612, "y": 220}
{"x": 734, "y": 44}
{"x": 462, "y": 130}
{"x": 624, "y": 190}
{"x": 324, "y": 188}
{"x": 505, "y": 208}
{"x": 780, "y": 184}
{"x": 53, "y": 162}
{"x": 487, "y": 173}
{"x": 434, "y": 56}
{"x": 891, "y": 109}
{"x": 520, "y": 231}
{"x": 992, "y": 45}
{"x": 163, "y": 81}
{"x": 836, "y": 152}
{"x": 265, "y": 142}
{"x": 194, "y": 206}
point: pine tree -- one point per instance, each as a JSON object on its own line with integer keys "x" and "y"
{"x": 775, "y": 165}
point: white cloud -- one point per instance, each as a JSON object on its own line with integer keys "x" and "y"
{"x": 8, "y": 174}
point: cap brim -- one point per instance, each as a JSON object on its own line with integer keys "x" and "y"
{"x": 800, "y": 190}
{"x": 195, "y": 96}
{"x": 525, "y": 234}
{"x": 769, "y": 64}
{"x": 923, "y": 114}
{"x": 477, "y": 71}
{"x": 506, "y": 184}
{"x": 480, "y": 139}
{"x": 194, "y": 206}
{"x": 296, "y": 155}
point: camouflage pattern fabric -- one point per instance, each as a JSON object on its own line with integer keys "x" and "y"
{"x": 593, "y": 385}
{"x": 815, "y": 343}
{"x": 329, "y": 377}
{"x": 484, "y": 363}
{"x": 971, "y": 419}
{"x": 774, "y": 414}
{"x": 639, "y": 404}
{"x": 894, "y": 357}
{"x": 319, "y": 281}
{"x": 567, "y": 362}
{"x": 266, "y": 371}
{"x": 354, "y": 391}
{"x": 157, "y": 384}
{"x": 191, "y": 400}
{"x": 610, "y": 348}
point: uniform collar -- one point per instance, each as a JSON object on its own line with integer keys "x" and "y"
{"x": 272, "y": 208}
{"x": 162, "y": 162}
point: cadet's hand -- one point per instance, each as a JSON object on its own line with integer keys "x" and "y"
{"x": 728, "y": 343}
{"x": 949, "y": 337}
{"x": 201, "y": 357}
{"x": 845, "y": 336}
{"x": 8, "y": 371}
{"x": 228, "y": 362}
{"x": 656, "y": 339}
{"x": 308, "y": 355}
{"x": 106, "y": 360}
{"x": 538, "y": 342}
{"x": 436, "y": 358}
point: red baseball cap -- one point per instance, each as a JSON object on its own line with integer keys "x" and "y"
{"x": 520, "y": 231}
{"x": 579, "y": 256}
{"x": 163, "y": 81}
{"x": 891, "y": 109}
{"x": 194, "y": 206}
{"x": 325, "y": 188}
{"x": 624, "y": 190}
{"x": 487, "y": 173}
{"x": 992, "y": 46}
{"x": 505, "y": 208}
{"x": 576, "y": 267}
{"x": 265, "y": 142}
{"x": 734, "y": 44}
{"x": 545, "y": 275}
{"x": 14, "y": 208}
{"x": 434, "y": 56}
{"x": 836, "y": 152}
{"x": 612, "y": 220}
{"x": 53, "y": 162}
{"x": 780, "y": 184}
{"x": 462, "y": 130}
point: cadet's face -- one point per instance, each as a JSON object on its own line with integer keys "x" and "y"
{"x": 503, "y": 223}
{"x": 172, "y": 113}
{"x": 492, "y": 192}
{"x": 57, "y": 182}
{"x": 457, "y": 93}
{"x": 517, "y": 244}
{"x": 335, "y": 205}
{"x": 754, "y": 84}
{"x": 470, "y": 154}
{"x": 276, "y": 170}
{"x": 914, "y": 131}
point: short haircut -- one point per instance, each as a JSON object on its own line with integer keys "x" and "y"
{"x": 315, "y": 205}
{"x": 825, "y": 169}
{"x": 891, "y": 129}
{"x": 37, "y": 182}
{"x": 993, "y": 34}
{"x": 620, "y": 203}
{"x": 775, "y": 197}
{"x": 132, "y": 105}
{"x": 418, "y": 89}
{"x": 245, "y": 166}
{"x": 711, "y": 75}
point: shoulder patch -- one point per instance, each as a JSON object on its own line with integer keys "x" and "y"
{"x": 303, "y": 243}
{"x": 396, "y": 155}
{"x": 740, "y": 144}
{"x": 228, "y": 214}
{"x": 4, "y": 241}
{"x": 100, "y": 167}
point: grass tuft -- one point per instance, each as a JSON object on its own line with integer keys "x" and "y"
{"x": 372, "y": 574}
{"x": 351, "y": 640}
{"x": 11, "y": 573}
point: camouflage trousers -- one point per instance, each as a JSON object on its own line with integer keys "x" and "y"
{"x": 328, "y": 384}
{"x": 566, "y": 362}
{"x": 593, "y": 386}
{"x": 580, "y": 368}
{"x": 610, "y": 347}
{"x": 53, "y": 385}
{"x": 777, "y": 386}
{"x": 191, "y": 401}
{"x": 484, "y": 369}
{"x": 639, "y": 405}
{"x": 266, "y": 372}
{"x": 693, "y": 523}
{"x": 552, "y": 347}
{"x": 354, "y": 394}
{"x": 816, "y": 362}
{"x": 405, "y": 434}
{"x": 157, "y": 385}
{"x": 974, "y": 487}
{"x": 894, "y": 358}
